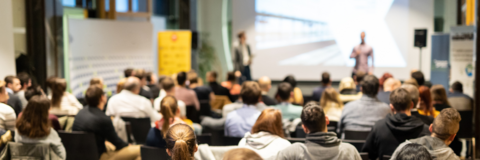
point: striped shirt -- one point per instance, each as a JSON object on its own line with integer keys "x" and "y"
{"x": 7, "y": 117}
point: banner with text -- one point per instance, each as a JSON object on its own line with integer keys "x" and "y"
{"x": 462, "y": 48}
{"x": 174, "y": 52}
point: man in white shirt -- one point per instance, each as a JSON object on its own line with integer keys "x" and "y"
{"x": 129, "y": 104}
{"x": 168, "y": 85}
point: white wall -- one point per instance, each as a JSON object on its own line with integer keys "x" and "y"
{"x": 7, "y": 52}
{"x": 421, "y": 16}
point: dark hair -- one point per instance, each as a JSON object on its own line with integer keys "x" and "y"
{"x": 400, "y": 99}
{"x": 24, "y": 78}
{"x": 284, "y": 91}
{"x": 418, "y": 76}
{"x": 231, "y": 76}
{"x": 128, "y": 72}
{"x": 313, "y": 117}
{"x": 359, "y": 76}
{"x": 457, "y": 86}
{"x": 439, "y": 94}
{"x": 290, "y": 79}
{"x": 9, "y": 80}
{"x": 213, "y": 74}
{"x": 414, "y": 151}
{"x": 240, "y": 34}
{"x": 168, "y": 108}
{"x": 370, "y": 85}
{"x": 148, "y": 76}
{"x": 93, "y": 95}
{"x": 181, "y": 78}
{"x": 325, "y": 78}
{"x": 181, "y": 141}
{"x": 140, "y": 74}
{"x": 34, "y": 121}
{"x": 250, "y": 92}
{"x": 33, "y": 91}
{"x": 270, "y": 120}
{"x": 446, "y": 123}
{"x": 167, "y": 83}
{"x": 241, "y": 154}
{"x": 58, "y": 89}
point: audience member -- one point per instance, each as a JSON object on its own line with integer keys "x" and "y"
{"x": 319, "y": 144}
{"x": 241, "y": 120}
{"x": 458, "y": 99}
{"x": 326, "y": 83}
{"x": 412, "y": 81}
{"x": 92, "y": 119}
{"x": 382, "y": 80}
{"x": 216, "y": 88}
{"x": 181, "y": 142}
{"x": 428, "y": 84}
{"x": 444, "y": 129}
{"x": 265, "y": 85}
{"x": 144, "y": 90}
{"x": 419, "y": 78}
{"x": 425, "y": 106}
{"x": 97, "y": 81}
{"x": 231, "y": 84}
{"x": 348, "y": 91}
{"x": 152, "y": 84}
{"x": 358, "y": 77}
{"x": 414, "y": 151}
{"x": 168, "y": 85}
{"x": 360, "y": 115}
{"x": 297, "y": 93}
{"x": 439, "y": 96}
{"x": 205, "y": 94}
{"x": 171, "y": 114}
{"x": 331, "y": 104}
{"x": 388, "y": 86}
{"x": 37, "y": 91}
{"x": 129, "y": 104}
{"x": 129, "y": 72}
{"x": 34, "y": 126}
{"x": 413, "y": 91}
{"x": 289, "y": 110}
{"x": 120, "y": 85}
{"x": 266, "y": 137}
{"x": 13, "y": 86}
{"x": 25, "y": 82}
{"x": 63, "y": 103}
{"x": 241, "y": 154}
{"x": 394, "y": 129}
{"x": 184, "y": 94}
{"x": 7, "y": 114}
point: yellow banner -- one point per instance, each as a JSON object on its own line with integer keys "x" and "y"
{"x": 174, "y": 52}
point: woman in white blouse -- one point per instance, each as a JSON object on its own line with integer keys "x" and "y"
{"x": 331, "y": 103}
{"x": 63, "y": 103}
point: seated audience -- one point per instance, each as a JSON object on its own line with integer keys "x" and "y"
{"x": 129, "y": 104}
{"x": 266, "y": 137}
{"x": 360, "y": 115}
{"x": 25, "y": 82}
{"x": 92, "y": 119}
{"x": 331, "y": 104}
{"x": 205, "y": 94}
{"x": 319, "y": 144}
{"x": 216, "y": 88}
{"x": 168, "y": 85}
{"x": 7, "y": 114}
{"x": 297, "y": 93}
{"x": 358, "y": 77}
{"x": 411, "y": 81}
{"x": 63, "y": 103}
{"x": 265, "y": 85}
{"x": 241, "y": 120}
{"x": 382, "y": 80}
{"x": 152, "y": 84}
{"x": 414, "y": 151}
{"x": 413, "y": 91}
{"x": 171, "y": 116}
{"x": 120, "y": 85}
{"x": 129, "y": 72}
{"x": 419, "y": 78}
{"x": 289, "y": 110}
{"x": 326, "y": 83}
{"x": 348, "y": 91}
{"x": 394, "y": 129}
{"x": 458, "y": 100}
{"x": 444, "y": 129}
{"x": 34, "y": 126}
{"x": 37, "y": 91}
{"x": 97, "y": 81}
{"x": 144, "y": 90}
{"x": 13, "y": 86}
{"x": 184, "y": 94}
{"x": 439, "y": 96}
{"x": 425, "y": 106}
{"x": 231, "y": 84}
{"x": 241, "y": 154}
{"x": 388, "y": 86}
{"x": 181, "y": 142}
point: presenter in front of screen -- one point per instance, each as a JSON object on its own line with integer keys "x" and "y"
{"x": 242, "y": 58}
{"x": 361, "y": 53}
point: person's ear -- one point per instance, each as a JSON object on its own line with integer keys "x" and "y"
{"x": 431, "y": 128}
{"x": 327, "y": 121}
{"x": 392, "y": 108}
{"x": 168, "y": 152}
{"x": 104, "y": 98}
{"x": 196, "y": 148}
{"x": 305, "y": 129}
{"x": 291, "y": 94}
{"x": 411, "y": 105}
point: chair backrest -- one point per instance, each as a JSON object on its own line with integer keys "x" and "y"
{"x": 294, "y": 140}
{"x": 332, "y": 126}
{"x": 193, "y": 114}
{"x": 205, "y": 108}
{"x": 299, "y": 132}
{"x": 153, "y": 153}
{"x": 358, "y": 144}
{"x": 204, "y": 139}
{"x": 139, "y": 127}
{"x": 466, "y": 125}
{"x": 218, "y": 134}
{"x": 356, "y": 135}
{"x": 79, "y": 145}
{"x": 231, "y": 141}
{"x": 364, "y": 156}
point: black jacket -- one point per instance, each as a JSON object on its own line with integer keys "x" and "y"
{"x": 220, "y": 90}
{"x": 389, "y": 132}
{"x": 15, "y": 103}
{"x": 428, "y": 120}
{"x": 93, "y": 120}
{"x": 269, "y": 101}
{"x": 440, "y": 107}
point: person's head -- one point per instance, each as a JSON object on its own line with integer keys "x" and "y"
{"x": 241, "y": 154}
{"x": 290, "y": 79}
{"x": 231, "y": 77}
{"x": 414, "y": 151}
{"x": 250, "y": 93}
{"x": 58, "y": 90}
{"x": 346, "y": 83}
{"x": 425, "y": 102}
{"x": 265, "y": 83}
{"x": 413, "y": 92}
{"x": 3, "y": 92}
{"x": 151, "y": 78}
{"x": 456, "y": 87}
{"x": 33, "y": 91}
{"x": 370, "y": 86}
{"x": 362, "y": 37}
{"x": 193, "y": 77}
{"x": 242, "y": 38}
{"x": 446, "y": 125}
{"x": 181, "y": 142}
{"x": 428, "y": 84}
{"x": 330, "y": 95}
{"x": 50, "y": 81}
{"x": 95, "y": 97}
{"x": 129, "y": 72}
{"x": 439, "y": 94}
{"x": 359, "y": 76}
{"x": 34, "y": 121}
{"x": 142, "y": 76}
{"x": 284, "y": 91}
{"x": 132, "y": 84}
{"x": 25, "y": 80}
{"x": 391, "y": 84}
{"x": 384, "y": 77}
{"x": 120, "y": 85}
{"x": 418, "y": 76}
{"x": 325, "y": 78}
{"x": 400, "y": 101}
{"x": 168, "y": 109}
{"x": 212, "y": 76}
{"x": 313, "y": 118}
{"x": 97, "y": 81}
{"x": 181, "y": 78}
{"x": 13, "y": 83}
{"x": 270, "y": 120}
{"x": 168, "y": 84}
{"x": 411, "y": 81}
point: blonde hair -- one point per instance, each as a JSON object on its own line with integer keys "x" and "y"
{"x": 120, "y": 84}
{"x": 329, "y": 96}
{"x": 181, "y": 142}
{"x": 168, "y": 108}
{"x": 240, "y": 154}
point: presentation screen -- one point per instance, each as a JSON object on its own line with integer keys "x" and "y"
{"x": 306, "y": 37}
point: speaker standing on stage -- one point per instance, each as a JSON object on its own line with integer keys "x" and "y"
{"x": 361, "y": 53}
{"x": 242, "y": 58}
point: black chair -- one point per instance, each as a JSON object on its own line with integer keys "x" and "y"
{"x": 217, "y": 134}
{"x": 386, "y": 157}
{"x": 205, "y": 108}
{"x": 193, "y": 114}
{"x": 231, "y": 141}
{"x": 153, "y": 153}
{"x": 332, "y": 126}
{"x": 139, "y": 128}
{"x": 299, "y": 132}
{"x": 204, "y": 139}
{"x": 364, "y": 155}
{"x": 294, "y": 140}
{"x": 356, "y": 143}
{"x": 356, "y": 135}
{"x": 79, "y": 145}
{"x": 466, "y": 125}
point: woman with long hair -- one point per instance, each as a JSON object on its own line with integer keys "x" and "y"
{"x": 331, "y": 103}
{"x": 170, "y": 113}
{"x": 425, "y": 106}
{"x": 34, "y": 126}
{"x": 181, "y": 142}
{"x": 63, "y": 103}
{"x": 297, "y": 93}
{"x": 267, "y": 136}
{"x": 439, "y": 96}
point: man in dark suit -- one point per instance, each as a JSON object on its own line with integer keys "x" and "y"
{"x": 13, "y": 86}
{"x": 265, "y": 85}
{"x": 242, "y": 58}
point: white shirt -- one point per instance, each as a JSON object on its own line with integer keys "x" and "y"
{"x": 128, "y": 104}
{"x": 180, "y": 104}
{"x": 68, "y": 106}
{"x": 21, "y": 96}
{"x": 246, "y": 56}
{"x": 7, "y": 117}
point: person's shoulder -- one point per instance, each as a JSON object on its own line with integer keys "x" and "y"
{"x": 6, "y": 109}
{"x": 346, "y": 147}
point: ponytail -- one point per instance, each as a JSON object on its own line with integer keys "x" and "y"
{"x": 168, "y": 109}
{"x": 181, "y": 142}
{"x": 181, "y": 151}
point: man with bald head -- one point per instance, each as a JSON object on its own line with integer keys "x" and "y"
{"x": 129, "y": 104}
{"x": 388, "y": 86}
{"x": 265, "y": 85}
